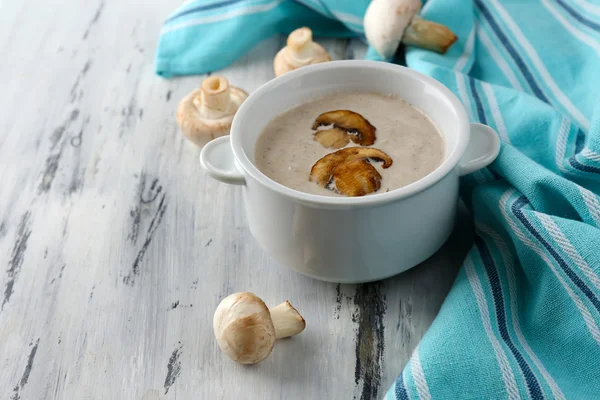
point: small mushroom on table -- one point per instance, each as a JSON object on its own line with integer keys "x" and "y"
{"x": 389, "y": 22}
{"x": 207, "y": 112}
{"x": 246, "y": 329}
{"x": 300, "y": 51}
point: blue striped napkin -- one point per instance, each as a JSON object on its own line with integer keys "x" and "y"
{"x": 522, "y": 319}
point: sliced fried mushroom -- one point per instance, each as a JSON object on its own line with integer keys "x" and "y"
{"x": 322, "y": 170}
{"x": 363, "y": 133}
{"x": 300, "y": 51}
{"x": 389, "y": 22}
{"x": 207, "y": 113}
{"x": 356, "y": 178}
{"x": 334, "y": 138}
{"x": 349, "y": 172}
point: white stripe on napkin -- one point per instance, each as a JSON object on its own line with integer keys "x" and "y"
{"x": 500, "y": 61}
{"x": 215, "y": 18}
{"x": 592, "y": 204}
{"x": 591, "y": 8}
{"x": 507, "y": 375}
{"x": 420, "y": 381}
{"x": 496, "y": 114}
{"x": 561, "y": 143}
{"x": 464, "y": 57}
{"x": 577, "y": 33}
{"x": 537, "y": 62}
{"x": 566, "y": 246}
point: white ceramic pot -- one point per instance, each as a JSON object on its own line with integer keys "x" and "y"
{"x": 351, "y": 239}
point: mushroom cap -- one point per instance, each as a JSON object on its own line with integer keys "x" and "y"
{"x": 200, "y": 123}
{"x": 385, "y": 22}
{"x": 299, "y": 52}
{"x": 243, "y": 328}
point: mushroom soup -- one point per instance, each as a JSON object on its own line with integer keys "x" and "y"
{"x": 349, "y": 144}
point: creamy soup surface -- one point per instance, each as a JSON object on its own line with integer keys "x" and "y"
{"x": 286, "y": 150}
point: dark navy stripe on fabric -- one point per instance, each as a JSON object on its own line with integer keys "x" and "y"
{"x": 204, "y": 8}
{"x": 533, "y": 386}
{"x": 516, "y": 209}
{"x": 578, "y": 16}
{"x": 512, "y": 51}
{"x": 478, "y": 104}
{"x": 579, "y": 141}
{"x": 400, "y": 391}
{"x": 585, "y": 168}
{"x": 495, "y": 174}
{"x": 579, "y": 145}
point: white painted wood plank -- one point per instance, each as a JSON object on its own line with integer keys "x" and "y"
{"x": 115, "y": 248}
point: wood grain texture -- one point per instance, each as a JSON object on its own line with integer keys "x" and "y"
{"x": 116, "y": 248}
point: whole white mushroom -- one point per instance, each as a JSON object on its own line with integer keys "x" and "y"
{"x": 246, "y": 329}
{"x": 389, "y": 22}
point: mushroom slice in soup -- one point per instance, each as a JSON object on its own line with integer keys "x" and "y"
{"x": 334, "y": 138}
{"x": 349, "y": 171}
{"x": 359, "y": 129}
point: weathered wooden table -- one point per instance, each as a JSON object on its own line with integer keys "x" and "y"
{"x": 116, "y": 248}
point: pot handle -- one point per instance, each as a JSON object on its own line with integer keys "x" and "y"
{"x": 217, "y": 159}
{"x": 482, "y": 150}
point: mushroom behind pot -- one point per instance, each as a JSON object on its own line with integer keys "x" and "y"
{"x": 299, "y": 52}
{"x": 389, "y": 22}
{"x": 207, "y": 112}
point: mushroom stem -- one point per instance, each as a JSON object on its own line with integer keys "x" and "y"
{"x": 287, "y": 320}
{"x": 428, "y": 35}
{"x": 300, "y": 43}
{"x": 214, "y": 101}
